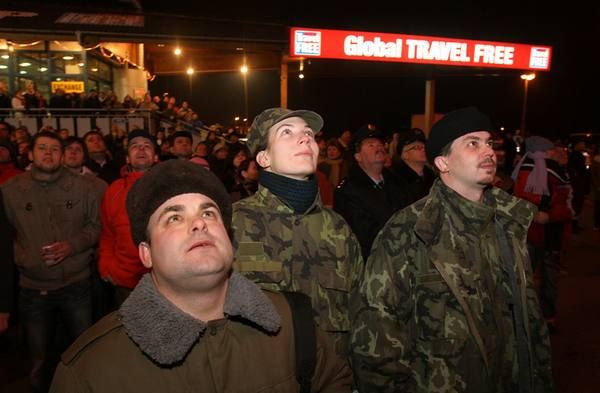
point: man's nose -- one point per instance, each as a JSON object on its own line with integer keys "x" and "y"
{"x": 198, "y": 224}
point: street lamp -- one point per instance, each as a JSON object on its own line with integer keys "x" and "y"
{"x": 244, "y": 71}
{"x": 190, "y": 71}
{"x": 526, "y": 78}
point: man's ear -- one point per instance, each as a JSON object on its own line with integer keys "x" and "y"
{"x": 30, "y": 155}
{"x": 262, "y": 158}
{"x": 145, "y": 255}
{"x": 441, "y": 162}
{"x": 357, "y": 157}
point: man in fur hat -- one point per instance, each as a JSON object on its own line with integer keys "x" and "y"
{"x": 192, "y": 324}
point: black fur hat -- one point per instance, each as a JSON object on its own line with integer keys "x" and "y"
{"x": 169, "y": 179}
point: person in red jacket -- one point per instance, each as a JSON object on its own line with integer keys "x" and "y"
{"x": 541, "y": 180}
{"x": 118, "y": 260}
{"x": 8, "y": 169}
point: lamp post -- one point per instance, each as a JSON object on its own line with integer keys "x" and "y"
{"x": 244, "y": 71}
{"x": 526, "y": 78}
{"x": 190, "y": 71}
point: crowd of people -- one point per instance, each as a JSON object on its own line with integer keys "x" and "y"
{"x": 415, "y": 255}
{"x": 32, "y": 101}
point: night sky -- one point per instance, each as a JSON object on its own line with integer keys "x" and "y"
{"x": 560, "y": 101}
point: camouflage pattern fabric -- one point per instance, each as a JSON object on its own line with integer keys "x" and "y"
{"x": 432, "y": 312}
{"x": 315, "y": 253}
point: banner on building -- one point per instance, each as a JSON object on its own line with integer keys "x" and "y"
{"x": 402, "y": 48}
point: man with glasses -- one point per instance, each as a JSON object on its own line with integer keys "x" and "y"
{"x": 369, "y": 195}
{"x": 411, "y": 170}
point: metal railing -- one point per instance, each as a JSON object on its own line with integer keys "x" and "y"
{"x": 81, "y": 120}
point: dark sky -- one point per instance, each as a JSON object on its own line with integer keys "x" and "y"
{"x": 560, "y": 101}
{"x": 350, "y": 93}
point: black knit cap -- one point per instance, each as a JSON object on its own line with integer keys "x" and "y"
{"x": 139, "y": 132}
{"x": 166, "y": 180}
{"x": 454, "y": 125}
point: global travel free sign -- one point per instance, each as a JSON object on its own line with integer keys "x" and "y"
{"x": 402, "y": 48}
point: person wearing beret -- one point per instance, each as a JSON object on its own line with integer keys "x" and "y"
{"x": 447, "y": 302}
{"x": 192, "y": 324}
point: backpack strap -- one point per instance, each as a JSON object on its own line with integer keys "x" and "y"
{"x": 305, "y": 342}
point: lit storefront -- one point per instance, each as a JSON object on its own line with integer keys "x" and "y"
{"x": 43, "y": 62}
{"x": 49, "y": 65}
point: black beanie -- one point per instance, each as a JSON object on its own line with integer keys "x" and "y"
{"x": 166, "y": 180}
{"x": 454, "y": 125}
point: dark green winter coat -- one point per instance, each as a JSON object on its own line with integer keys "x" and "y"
{"x": 433, "y": 312}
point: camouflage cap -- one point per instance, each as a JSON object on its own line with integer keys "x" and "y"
{"x": 259, "y": 130}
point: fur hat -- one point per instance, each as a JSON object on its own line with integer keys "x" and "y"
{"x": 166, "y": 180}
{"x": 454, "y": 125}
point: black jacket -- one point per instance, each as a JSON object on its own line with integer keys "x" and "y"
{"x": 366, "y": 206}
{"x": 414, "y": 187}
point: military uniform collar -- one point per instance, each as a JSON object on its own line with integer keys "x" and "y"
{"x": 513, "y": 213}
{"x": 273, "y": 203}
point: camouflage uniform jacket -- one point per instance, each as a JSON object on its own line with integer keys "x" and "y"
{"x": 315, "y": 253}
{"x": 432, "y": 311}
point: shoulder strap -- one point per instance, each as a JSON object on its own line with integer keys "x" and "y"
{"x": 305, "y": 341}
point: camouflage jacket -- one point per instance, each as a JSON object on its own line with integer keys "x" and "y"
{"x": 315, "y": 253}
{"x": 432, "y": 311}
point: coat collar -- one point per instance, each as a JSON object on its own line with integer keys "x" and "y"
{"x": 29, "y": 179}
{"x": 166, "y": 334}
{"x": 275, "y": 204}
{"x": 357, "y": 174}
{"x": 513, "y": 213}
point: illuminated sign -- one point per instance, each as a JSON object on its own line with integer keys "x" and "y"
{"x": 402, "y": 48}
{"x": 68, "y": 86}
